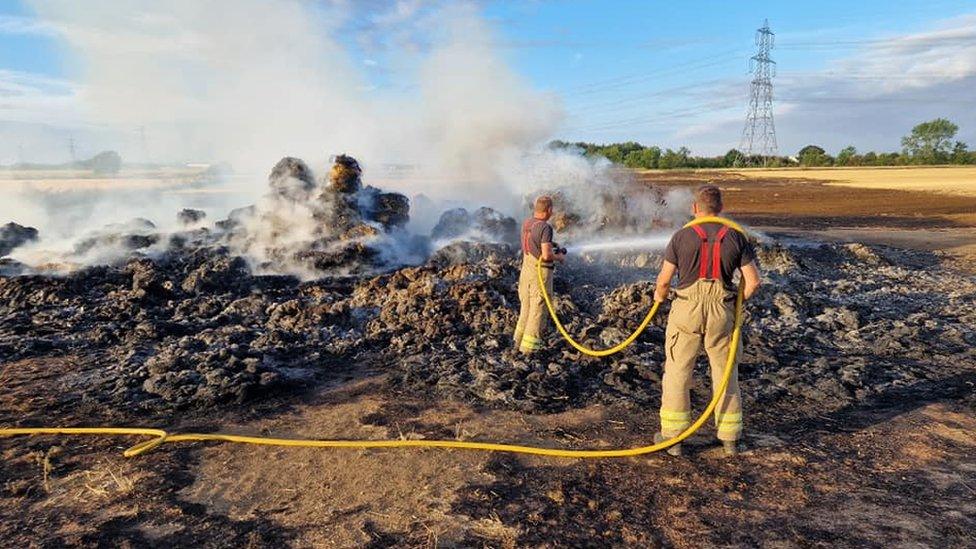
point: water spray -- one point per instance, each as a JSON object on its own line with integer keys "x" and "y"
{"x": 647, "y": 243}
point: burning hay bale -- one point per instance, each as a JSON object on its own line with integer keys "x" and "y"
{"x": 482, "y": 225}
{"x": 189, "y": 216}
{"x": 341, "y": 256}
{"x": 291, "y": 179}
{"x": 624, "y": 207}
{"x": 347, "y": 203}
{"x": 236, "y": 218}
{"x": 345, "y": 175}
{"x": 13, "y": 236}
{"x": 563, "y": 221}
{"x": 391, "y": 210}
{"x": 119, "y": 238}
{"x": 345, "y": 228}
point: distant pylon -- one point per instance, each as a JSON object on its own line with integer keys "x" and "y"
{"x": 759, "y": 133}
{"x": 71, "y": 149}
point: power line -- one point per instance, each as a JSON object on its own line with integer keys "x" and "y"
{"x": 759, "y": 133}
{"x": 624, "y": 81}
{"x": 714, "y": 106}
{"x": 626, "y": 103}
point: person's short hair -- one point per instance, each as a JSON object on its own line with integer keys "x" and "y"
{"x": 709, "y": 199}
{"x": 543, "y": 204}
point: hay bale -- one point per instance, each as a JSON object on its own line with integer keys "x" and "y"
{"x": 345, "y": 175}
{"x": 290, "y": 178}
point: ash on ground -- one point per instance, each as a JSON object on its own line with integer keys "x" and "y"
{"x": 203, "y": 317}
{"x": 197, "y": 326}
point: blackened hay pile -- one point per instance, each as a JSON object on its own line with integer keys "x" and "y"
{"x": 200, "y": 324}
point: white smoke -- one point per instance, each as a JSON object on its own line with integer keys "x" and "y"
{"x": 243, "y": 81}
{"x": 250, "y": 81}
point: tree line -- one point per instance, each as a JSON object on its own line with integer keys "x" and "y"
{"x": 929, "y": 143}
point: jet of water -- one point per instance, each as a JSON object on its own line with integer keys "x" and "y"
{"x": 656, "y": 241}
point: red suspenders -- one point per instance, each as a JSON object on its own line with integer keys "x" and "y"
{"x": 527, "y": 231}
{"x": 716, "y": 252}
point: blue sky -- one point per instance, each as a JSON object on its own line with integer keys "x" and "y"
{"x": 667, "y": 73}
{"x": 615, "y": 63}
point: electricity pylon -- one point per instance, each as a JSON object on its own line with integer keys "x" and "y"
{"x": 759, "y": 133}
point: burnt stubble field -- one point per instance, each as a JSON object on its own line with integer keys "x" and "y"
{"x": 858, "y": 377}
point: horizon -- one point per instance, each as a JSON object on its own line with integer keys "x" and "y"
{"x": 670, "y": 76}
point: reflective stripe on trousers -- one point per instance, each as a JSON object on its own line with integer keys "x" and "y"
{"x": 533, "y": 318}
{"x": 702, "y": 316}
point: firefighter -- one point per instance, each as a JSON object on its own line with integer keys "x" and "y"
{"x": 537, "y": 246}
{"x": 705, "y": 257}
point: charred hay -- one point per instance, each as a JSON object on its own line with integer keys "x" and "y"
{"x": 204, "y": 317}
{"x": 13, "y": 236}
{"x": 190, "y": 330}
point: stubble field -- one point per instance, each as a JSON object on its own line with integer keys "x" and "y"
{"x": 858, "y": 381}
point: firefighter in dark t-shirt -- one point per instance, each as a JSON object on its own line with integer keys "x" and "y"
{"x": 537, "y": 247}
{"x": 705, "y": 257}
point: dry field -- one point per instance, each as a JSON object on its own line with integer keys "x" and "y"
{"x": 892, "y": 469}
{"x": 950, "y": 180}
{"x": 52, "y": 181}
{"x": 927, "y": 208}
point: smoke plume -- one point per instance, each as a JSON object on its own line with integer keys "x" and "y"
{"x": 247, "y": 82}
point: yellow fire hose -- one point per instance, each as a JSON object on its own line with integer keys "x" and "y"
{"x": 647, "y": 319}
{"x": 160, "y": 436}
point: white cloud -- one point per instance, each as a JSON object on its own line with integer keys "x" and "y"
{"x": 869, "y": 99}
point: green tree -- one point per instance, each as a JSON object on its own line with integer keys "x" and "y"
{"x": 889, "y": 159}
{"x": 848, "y": 156}
{"x": 813, "y": 155}
{"x": 629, "y": 147}
{"x": 810, "y": 149}
{"x": 870, "y": 158}
{"x": 650, "y": 157}
{"x": 674, "y": 159}
{"x": 633, "y": 159}
{"x": 930, "y": 142}
{"x": 613, "y": 154}
{"x": 960, "y": 153}
{"x": 733, "y": 158}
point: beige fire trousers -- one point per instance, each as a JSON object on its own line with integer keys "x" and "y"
{"x": 533, "y": 317}
{"x": 703, "y": 313}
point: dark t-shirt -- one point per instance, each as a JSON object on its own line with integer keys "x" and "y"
{"x": 534, "y": 233}
{"x": 684, "y": 250}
